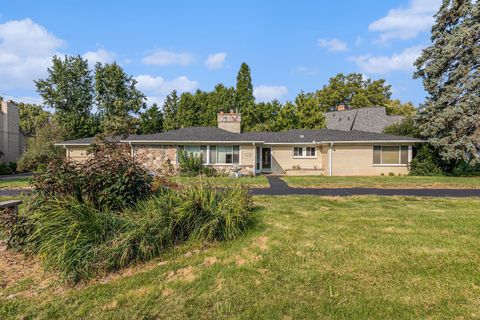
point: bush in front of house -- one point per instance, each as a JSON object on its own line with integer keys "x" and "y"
{"x": 425, "y": 163}
{"x": 81, "y": 241}
{"x": 466, "y": 169}
{"x": 109, "y": 179}
{"x": 191, "y": 165}
{"x": 5, "y": 169}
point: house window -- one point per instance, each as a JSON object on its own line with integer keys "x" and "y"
{"x": 226, "y": 154}
{"x": 304, "y": 152}
{"x": 197, "y": 151}
{"x": 390, "y": 155}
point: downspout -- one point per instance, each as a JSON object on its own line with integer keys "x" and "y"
{"x": 330, "y": 149}
{"x": 254, "y": 160}
{"x": 132, "y": 154}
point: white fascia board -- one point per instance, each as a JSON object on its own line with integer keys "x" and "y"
{"x": 184, "y": 142}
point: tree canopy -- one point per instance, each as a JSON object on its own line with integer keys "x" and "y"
{"x": 449, "y": 68}
{"x": 68, "y": 89}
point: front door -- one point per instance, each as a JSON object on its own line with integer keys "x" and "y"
{"x": 266, "y": 159}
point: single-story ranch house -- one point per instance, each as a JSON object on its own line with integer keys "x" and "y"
{"x": 292, "y": 152}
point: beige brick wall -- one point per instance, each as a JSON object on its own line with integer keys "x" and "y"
{"x": 357, "y": 160}
{"x": 77, "y": 153}
{"x": 283, "y": 162}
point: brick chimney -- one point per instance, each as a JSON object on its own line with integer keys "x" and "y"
{"x": 229, "y": 121}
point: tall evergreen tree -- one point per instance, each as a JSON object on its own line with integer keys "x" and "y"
{"x": 68, "y": 89}
{"x": 450, "y": 71}
{"x": 244, "y": 99}
{"x": 150, "y": 121}
{"x": 170, "y": 112}
{"x": 118, "y": 99}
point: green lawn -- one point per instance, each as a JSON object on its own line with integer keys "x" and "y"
{"x": 15, "y": 183}
{"x": 307, "y": 257}
{"x": 388, "y": 182}
{"x": 253, "y": 182}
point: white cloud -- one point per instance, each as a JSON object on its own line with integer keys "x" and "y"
{"x": 215, "y": 61}
{"x": 158, "y": 85}
{"x": 101, "y": 55}
{"x": 408, "y": 22}
{"x": 163, "y": 58}
{"x": 384, "y": 64}
{"x": 268, "y": 93}
{"x": 26, "y": 50}
{"x": 334, "y": 45}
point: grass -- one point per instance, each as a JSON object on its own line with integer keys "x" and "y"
{"x": 385, "y": 182}
{"x": 15, "y": 183}
{"x": 308, "y": 257}
{"x": 253, "y": 182}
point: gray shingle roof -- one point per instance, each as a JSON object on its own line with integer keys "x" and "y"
{"x": 212, "y": 134}
{"x": 190, "y": 134}
{"x": 373, "y": 119}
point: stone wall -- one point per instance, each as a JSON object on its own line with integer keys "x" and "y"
{"x": 156, "y": 158}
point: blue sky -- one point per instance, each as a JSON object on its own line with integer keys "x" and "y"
{"x": 184, "y": 45}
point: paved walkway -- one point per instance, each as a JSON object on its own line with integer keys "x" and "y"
{"x": 279, "y": 188}
{"x": 15, "y": 176}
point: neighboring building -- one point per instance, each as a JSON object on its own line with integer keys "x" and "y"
{"x": 12, "y": 140}
{"x": 292, "y": 152}
{"x": 373, "y": 119}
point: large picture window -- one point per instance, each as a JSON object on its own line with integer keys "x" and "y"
{"x": 390, "y": 155}
{"x": 304, "y": 152}
{"x": 214, "y": 154}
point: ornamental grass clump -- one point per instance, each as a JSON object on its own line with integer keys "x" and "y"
{"x": 81, "y": 240}
{"x": 205, "y": 213}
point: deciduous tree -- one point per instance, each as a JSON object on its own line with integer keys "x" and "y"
{"x": 118, "y": 99}
{"x": 68, "y": 89}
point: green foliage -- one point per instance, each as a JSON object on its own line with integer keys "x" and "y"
{"x": 466, "y": 169}
{"x": 69, "y": 90}
{"x": 396, "y": 107}
{"x": 204, "y": 213}
{"x": 192, "y": 165}
{"x": 41, "y": 148}
{"x": 353, "y": 90}
{"x": 118, "y": 99}
{"x": 310, "y": 115}
{"x": 5, "y": 169}
{"x": 32, "y": 117}
{"x": 406, "y": 127}
{"x": 13, "y": 166}
{"x": 170, "y": 111}
{"x": 449, "y": 68}
{"x": 109, "y": 179}
{"x": 151, "y": 121}
{"x": 41, "y": 167}
{"x": 425, "y": 163}
{"x": 189, "y": 163}
{"x": 81, "y": 241}
{"x": 244, "y": 99}
{"x": 68, "y": 233}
